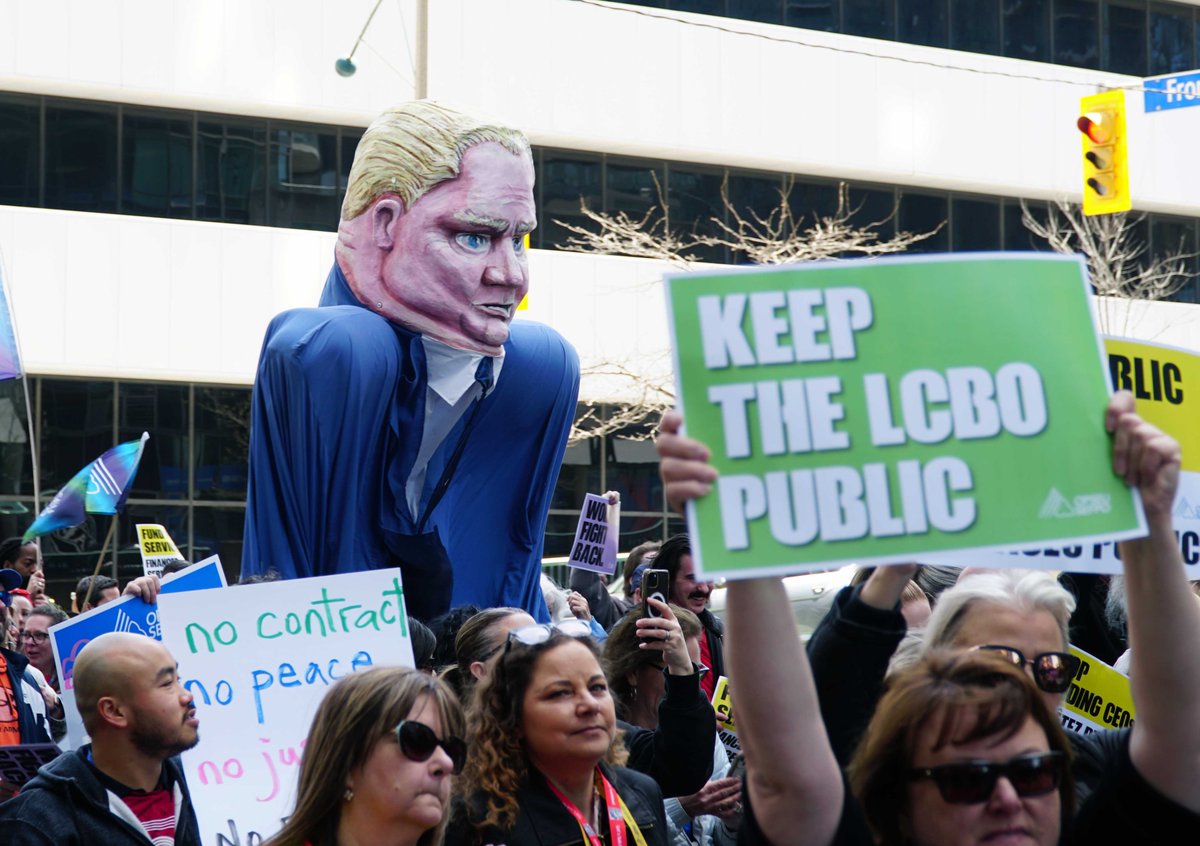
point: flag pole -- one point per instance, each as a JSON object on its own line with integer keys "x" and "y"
{"x": 37, "y": 485}
{"x": 112, "y": 529}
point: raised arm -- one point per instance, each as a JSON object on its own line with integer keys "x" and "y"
{"x": 1164, "y": 617}
{"x": 794, "y": 784}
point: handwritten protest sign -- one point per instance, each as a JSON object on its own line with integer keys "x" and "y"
{"x": 595, "y": 545}
{"x": 1165, "y": 381}
{"x": 874, "y": 410}
{"x": 1099, "y": 699}
{"x": 722, "y": 703}
{"x": 258, "y": 659}
{"x": 126, "y": 614}
{"x": 156, "y": 547}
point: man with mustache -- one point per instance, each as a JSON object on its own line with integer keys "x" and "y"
{"x": 687, "y": 591}
{"x": 126, "y": 786}
{"x": 408, "y": 421}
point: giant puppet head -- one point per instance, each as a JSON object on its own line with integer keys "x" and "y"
{"x": 434, "y": 221}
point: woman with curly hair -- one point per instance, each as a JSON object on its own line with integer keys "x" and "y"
{"x": 377, "y": 763}
{"x": 546, "y": 752}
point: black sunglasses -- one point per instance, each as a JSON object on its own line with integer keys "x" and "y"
{"x": 1052, "y": 671}
{"x": 972, "y": 782}
{"x": 418, "y": 742}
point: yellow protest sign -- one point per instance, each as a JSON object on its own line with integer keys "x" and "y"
{"x": 1099, "y": 698}
{"x": 156, "y": 547}
{"x": 722, "y": 703}
{"x": 1165, "y": 381}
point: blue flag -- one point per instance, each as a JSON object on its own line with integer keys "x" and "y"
{"x": 99, "y": 488}
{"x": 10, "y": 358}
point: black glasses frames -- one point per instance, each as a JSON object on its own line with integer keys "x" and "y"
{"x": 972, "y": 782}
{"x": 1052, "y": 671}
{"x": 418, "y": 742}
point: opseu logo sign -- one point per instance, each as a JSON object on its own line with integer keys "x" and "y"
{"x": 1172, "y": 92}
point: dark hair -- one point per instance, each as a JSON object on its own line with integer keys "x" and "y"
{"x": 98, "y": 584}
{"x": 498, "y": 762}
{"x": 423, "y": 643}
{"x": 358, "y": 712}
{"x": 623, "y": 654}
{"x": 175, "y": 565}
{"x": 476, "y": 641}
{"x": 271, "y": 575}
{"x": 937, "y": 691}
{"x": 635, "y": 557}
{"x": 670, "y": 555}
{"x": 49, "y": 609}
{"x": 445, "y": 629}
{"x": 10, "y": 550}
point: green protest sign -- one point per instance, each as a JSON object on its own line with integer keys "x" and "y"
{"x": 875, "y": 410}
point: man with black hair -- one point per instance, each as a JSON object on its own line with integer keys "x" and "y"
{"x": 692, "y": 593}
{"x": 103, "y": 589}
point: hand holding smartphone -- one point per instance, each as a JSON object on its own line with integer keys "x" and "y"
{"x": 655, "y": 585}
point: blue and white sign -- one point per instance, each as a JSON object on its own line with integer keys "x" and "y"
{"x": 1177, "y": 91}
{"x": 126, "y": 614}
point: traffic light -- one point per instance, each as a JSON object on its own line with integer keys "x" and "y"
{"x": 1105, "y": 160}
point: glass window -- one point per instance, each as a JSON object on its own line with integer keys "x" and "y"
{"x": 975, "y": 26}
{"x": 1125, "y": 36}
{"x": 810, "y": 201}
{"x": 560, "y": 532}
{"x": 348, "y": 139}
{"x": 1171, "y": 38}
{"x": 870, "y": 18}
{"x": 304, "y": 179}
{"x": 222, "y": 442}
{"x": 920, "y": 213}
{"x": 81, "y": 158}
{"x": 218, "y": 530}
{"x": 580, "y": 473}
{"x": 173, "y": 518}
{"x": 1175, "y": 236}
{"x": 76, "y": 427}
{"x": 1077, "y": 33}
{"x": 157, "y": 164}
{"x": 636, "y": 530}
{"x": 922, "y": 22}
{"x": 811, "y": 14}
{"x": 753, "y": 198}
{"x": 767, "y": 11}
{"x": 16, "y": 467}
{"x": 700, "y": 7}
{"x": 19, "y": 165}
{"x": 1027, "y": 29}
{"x": 1017, "y": 236}
{"x": 975, "y": 224}
{"x": 633, "y": 187}
{"x": 232, "y": 163}
{"x": 161, "y": 410}
{"x": 694, "y": 198}
{"x": 565, "y": 182}
{"x": 874, "y": 209}
{"x": 632, "y": 471}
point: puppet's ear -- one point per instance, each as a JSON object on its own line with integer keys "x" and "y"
{"x": 385, "y": 213}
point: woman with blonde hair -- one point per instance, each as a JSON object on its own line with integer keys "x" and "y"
{"x": 378, "y": 762}
{"x": 547, "y": 754}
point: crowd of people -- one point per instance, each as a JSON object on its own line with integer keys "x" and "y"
{"x": 922, "y": 711}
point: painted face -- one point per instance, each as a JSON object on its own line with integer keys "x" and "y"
{"x": 162, "y": 713}
{"x": 458, "y": 267}
{"x": 686, "y": 591}
{"x": 399, "y": 792}
{"x": 36, "y": 644}
{"x": 1004, "y": 818}
{"x": 568, "y": 716}
{"x": 27, "y": 561}
{"x": 994, "y": 624}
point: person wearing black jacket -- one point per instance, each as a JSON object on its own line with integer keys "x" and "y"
{"x": 126, "y": 787}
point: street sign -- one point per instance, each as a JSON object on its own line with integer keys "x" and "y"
{"x": 1177, "y": 91}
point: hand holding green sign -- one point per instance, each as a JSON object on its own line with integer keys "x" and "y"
{"x": 870, "y": 411}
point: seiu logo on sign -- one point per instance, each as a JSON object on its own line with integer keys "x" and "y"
{"x": 1172, "y": 92}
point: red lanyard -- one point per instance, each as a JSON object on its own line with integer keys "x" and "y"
{"x": 616, "y": 819}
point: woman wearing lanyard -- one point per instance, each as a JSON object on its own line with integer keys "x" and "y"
{"x": 546, "y": 752}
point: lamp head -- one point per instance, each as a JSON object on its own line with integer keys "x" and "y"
{"x": 345, "y": 67}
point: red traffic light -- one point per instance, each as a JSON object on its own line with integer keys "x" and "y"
{"x": 1097, "y": 126}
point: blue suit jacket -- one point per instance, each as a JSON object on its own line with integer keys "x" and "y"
{"x": 338, "y": 410}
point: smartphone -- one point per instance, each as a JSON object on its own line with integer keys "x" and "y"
{"x": 656, "y": 584}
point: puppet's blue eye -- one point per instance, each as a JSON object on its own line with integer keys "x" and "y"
{"x": 474, "y": 241}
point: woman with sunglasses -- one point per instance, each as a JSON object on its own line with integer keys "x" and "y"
{"x": 377, "y": 763}
{"x": 546, "y": 758}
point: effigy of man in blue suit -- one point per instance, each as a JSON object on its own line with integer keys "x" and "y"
{"x": 408, "y": 421}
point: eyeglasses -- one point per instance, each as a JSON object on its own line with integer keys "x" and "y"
{"x": 972, "y": 782}
{"x": 1052, "y": 671}
{"x": 418, "y": 742}
{"x": 542, "y": 632}
{"x": 36, "y": 637}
